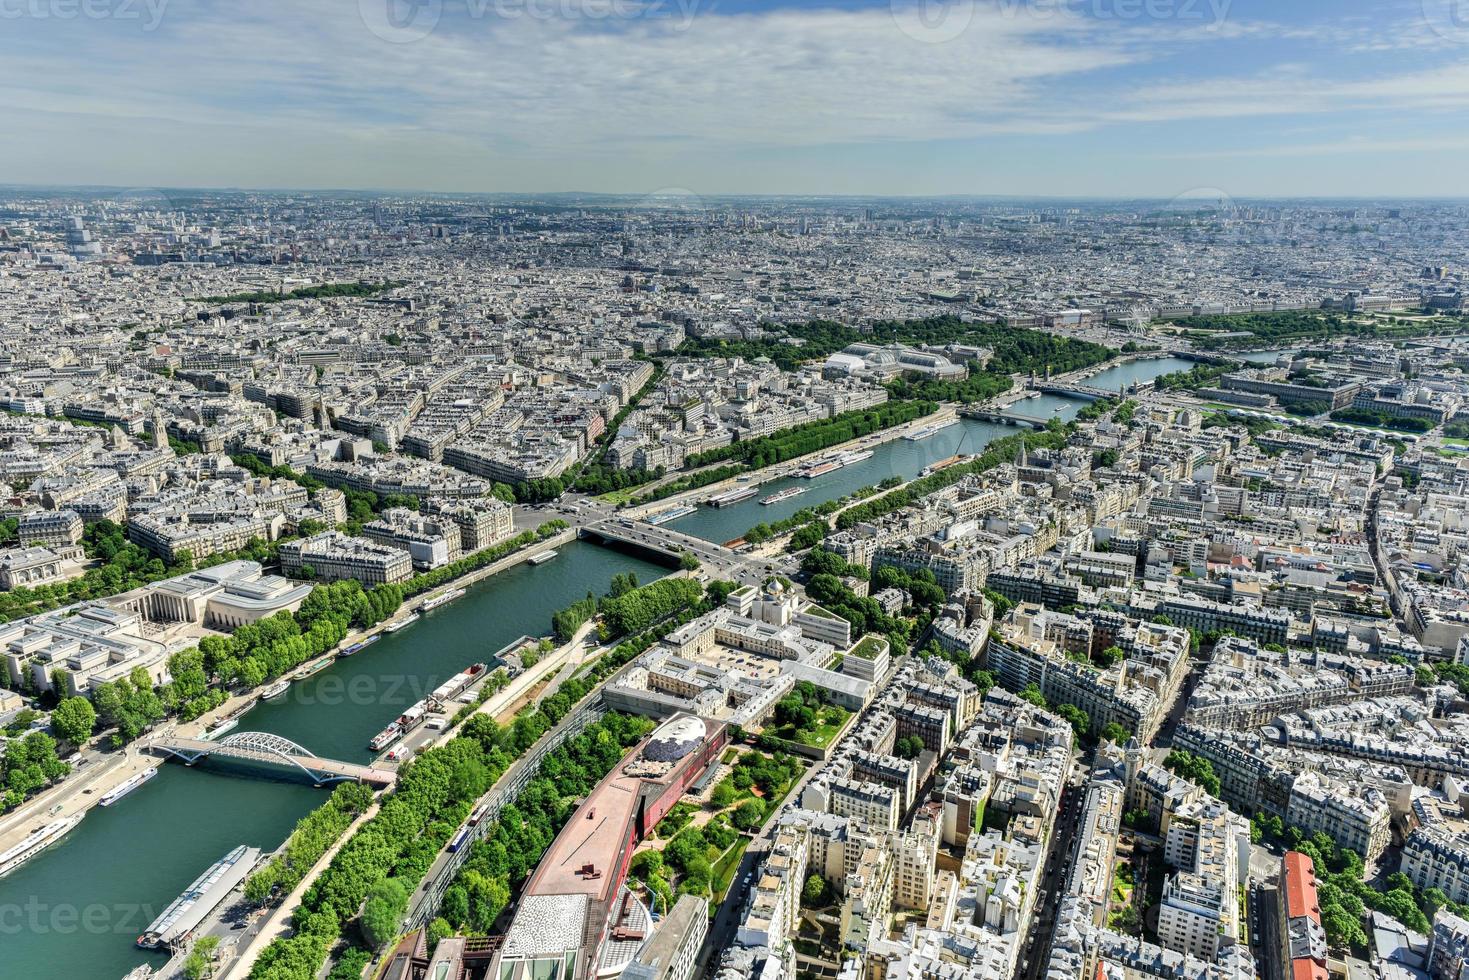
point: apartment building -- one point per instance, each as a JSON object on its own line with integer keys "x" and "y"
{"x": 332, "y": 555}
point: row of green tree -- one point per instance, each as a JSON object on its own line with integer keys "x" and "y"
{"x": 812, "y": 521}
{"x": 1368, "y": 416}
{"x": 1213, "y": 332}
{"x": 691, "y": 481}
{"x": 260, "y": 651}
{"x": 29, "y": 765}
{"x": 637, "y": 609}
{"x": 1016, "y": 350}
{"x": 312, "y": 836}
{"x": 1000, "y": 451}
{"x": 627, "y": 607}
{"x": 428, "y": 581}
{"x": 981, "y": 385}
{"x": 379, "y": 866}
{"x": 811, "y": 437}
{"x": 253, "y": 654}
{"x": 510, "y": 849}
{"x": 331, "y": 290}
{"x": 433, "y": 796}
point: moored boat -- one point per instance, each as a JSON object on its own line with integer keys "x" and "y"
{"x": 785, "y": 494}
{"x": 275, "y": 690}
{"x": 35, "y": 842}
{"x": 930, "y": 430}
{"x": 670, "y": 514}
{"x": 359, "y": 646}
{"x": 402, "y": 725}
{"x": 127, "y": 786}
{"x": 185, "y": 913}
{"x": 404, "y": 623}
{"x": 729, "y": 497}
{"x": 222, "y": 727}
{"x": 443, "y": 598}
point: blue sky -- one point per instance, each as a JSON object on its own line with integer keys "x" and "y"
{"x": 1130, "y": 98}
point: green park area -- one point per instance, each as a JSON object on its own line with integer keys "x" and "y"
{"x": 804, "y": 716}
{"x": 696, "y": 850}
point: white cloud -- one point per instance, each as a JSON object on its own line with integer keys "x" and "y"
{"x": 264, "y": 87}
{"x": 794, "y": 77}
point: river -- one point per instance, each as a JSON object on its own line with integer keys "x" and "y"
{"x": 74, "y": 910}
{"x": 898, "y": 457}
{"x": 906, "y": 459}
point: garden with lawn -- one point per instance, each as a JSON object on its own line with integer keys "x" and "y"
{"x": 806, "y": 718}
{"x": 697, "y": 850}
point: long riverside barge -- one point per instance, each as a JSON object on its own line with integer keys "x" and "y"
{"x": 183, "y": 914}
{"x": 732, "y": 496}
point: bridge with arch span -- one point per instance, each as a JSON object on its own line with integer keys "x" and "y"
{"x": 264, "y": 747}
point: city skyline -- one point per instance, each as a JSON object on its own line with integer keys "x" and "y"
{"x": 734, "y": 490}
{"x": 1094, "y": 99}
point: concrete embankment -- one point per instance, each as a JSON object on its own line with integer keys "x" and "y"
{"x": 788, "y": 468}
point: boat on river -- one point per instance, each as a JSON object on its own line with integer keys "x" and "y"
{"x": 785, "y": 494}
{"x": 732, "y": 496}
{"x": 442, "y": 599}
{"x": 35, "y": 842}
{"x": 403, "y": 623}
{"x": 360, "y": 646}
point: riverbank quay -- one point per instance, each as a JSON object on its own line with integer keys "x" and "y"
{"x": 573, "y": 654}
{"x": 754, "y": 478}
{"x": 142, "y": 853}
{"x": 103, "y": 771}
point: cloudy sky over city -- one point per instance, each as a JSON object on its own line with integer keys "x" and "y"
{"x": 1060, "y": 97}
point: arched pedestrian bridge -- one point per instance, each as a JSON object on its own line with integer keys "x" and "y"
{"x": 272, "y": 750}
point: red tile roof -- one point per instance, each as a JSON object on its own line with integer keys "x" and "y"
{"x": 1300, "y": 887}
{"x": 1305, "y": 968}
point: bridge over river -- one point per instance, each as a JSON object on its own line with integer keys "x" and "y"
{"x": 272, "y": 750}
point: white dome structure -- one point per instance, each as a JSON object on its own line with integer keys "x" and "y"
{"x": 675, "y": 738}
